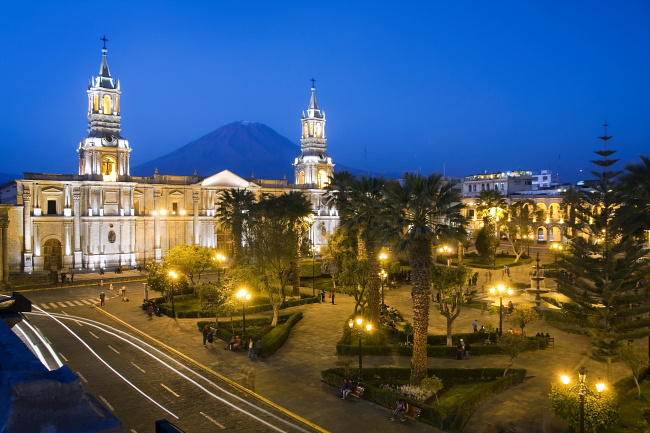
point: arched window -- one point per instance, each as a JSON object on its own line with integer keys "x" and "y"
{"x": 301, "y": 178}
{"x": 318, "y": 128}
{"x": 109, "y": 169}
{"x": 117, "y": 104}
{"x": 107, "y": 104}
{"x": 95, "y": 102}
{"x": 305, "y": 130}
{"x": 322, "y": 179}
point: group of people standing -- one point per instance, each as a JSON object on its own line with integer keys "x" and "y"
{"x": 462, "y": 350}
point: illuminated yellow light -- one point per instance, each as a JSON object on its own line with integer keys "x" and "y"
{"x": 182, "y": 212}
{"x": 600, "y": 387}
{"x": 565, "y": 379}
{"x": 163, "y": 212}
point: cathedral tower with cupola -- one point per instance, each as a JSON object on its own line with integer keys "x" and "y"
{"x": 313, "y": 166}
{"x": 104, "y": 154}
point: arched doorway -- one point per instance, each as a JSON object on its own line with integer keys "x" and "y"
{"x": 52, "y": 257}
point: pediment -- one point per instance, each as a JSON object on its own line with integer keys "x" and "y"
{"x": 51, "y": 190}
{"x": 227, "y": 179}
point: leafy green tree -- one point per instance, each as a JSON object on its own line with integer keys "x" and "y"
{"x": 520, "y": 225}
{"x": 361, "y": 204}
{"x": 600, "y": 409}
{"x": 448, "y": 282}
{"x": 190, "y": 260}
{"x": 294, "y": 208}
{"x": 523, "y": 315}
{"x": 635, "y": 360}
{"x": 486, "y": 243}
{"x": 512, "y": 345}
{"x": 408, "y": 330}
{"x": 433, "y": 385}
{"x": 215, "y": 297}
{"x": 424, "y": 209}
{"x": 272, "y": 245}
{"x": 158, "y": 279}
{"x": 232, "y": 214}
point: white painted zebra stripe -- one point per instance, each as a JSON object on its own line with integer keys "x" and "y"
{"x": 45, "y": 306}
{"x": 61, "y": 304}
{"x": 86, "y": 302}
{"x": 77, "y": 302}
{"x": 70, "y": 303}
{"x": 54, "y": 305}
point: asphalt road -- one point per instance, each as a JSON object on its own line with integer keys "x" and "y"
{"x": 139, "y": 381}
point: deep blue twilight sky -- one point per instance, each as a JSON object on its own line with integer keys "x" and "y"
{"x": 460, "y": 86}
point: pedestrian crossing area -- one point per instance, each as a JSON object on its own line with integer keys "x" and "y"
{"x": 68, "y": 304}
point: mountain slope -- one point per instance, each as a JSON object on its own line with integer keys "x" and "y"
{"x": 245, "y": 148}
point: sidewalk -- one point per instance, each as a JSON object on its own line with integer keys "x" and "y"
{"x": 291, "y": 376}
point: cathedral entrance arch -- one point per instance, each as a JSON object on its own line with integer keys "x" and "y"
{"x": 52, "y": 255}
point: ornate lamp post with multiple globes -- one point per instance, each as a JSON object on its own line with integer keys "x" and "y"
{"x": 357, "y": 325}
{"x": 582, "y": 390}
{"x": 244, "y": 296}
{"x": 500, "y": 289}
{"x": 219, "y": 259}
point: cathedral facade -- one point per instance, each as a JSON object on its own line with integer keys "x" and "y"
{"x": 102, "y": 217}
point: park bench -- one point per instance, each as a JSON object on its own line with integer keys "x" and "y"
{"x": 412, "y": 412}
{"x": 357, "y": 391}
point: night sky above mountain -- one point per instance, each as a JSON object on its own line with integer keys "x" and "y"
{"x": 462, "y": 87}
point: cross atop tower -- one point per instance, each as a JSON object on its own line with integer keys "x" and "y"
{"x": 104, "y": 39}
{"x": 313, "y": 81}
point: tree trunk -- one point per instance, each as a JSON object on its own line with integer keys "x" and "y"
{"x": 295, "y": 269}
{"x": 420, "y": 257}
{"x": 449, "y": 322}
{"x": 374, "y": 283}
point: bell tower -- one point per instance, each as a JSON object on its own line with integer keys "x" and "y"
{"x": 313, "y": 166}
{"x": 104, "y": 152}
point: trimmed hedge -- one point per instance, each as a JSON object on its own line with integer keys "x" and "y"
{"x": 439, "y": 416}
{"x": 272, "y": 337}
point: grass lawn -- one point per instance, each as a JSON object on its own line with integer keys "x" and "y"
{"x": 456, "y": 394}
{"x": 631, "y": 411}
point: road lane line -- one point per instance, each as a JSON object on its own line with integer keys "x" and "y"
{"x": 91, "y": 333}
{"x": 175, "y": 395}
{"x": 214, "y": 421}
{"x": 107, "y": 403}
{"x": 82, "y": 377}
{"x": 64, "y": 358}
{"x": 113, "y": 349}
{"x": 138, "y": 367}
{"x": 77, "y": 322}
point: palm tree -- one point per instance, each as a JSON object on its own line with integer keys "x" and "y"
{"x": 360, "y": 203}
{"x": 491, "y": 207}
{"x": 424, "y": 209}
{"x": 294, "y": 208}
{"x": 232, "y": 213}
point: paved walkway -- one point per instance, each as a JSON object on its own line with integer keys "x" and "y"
{"x": 291, "y": 377}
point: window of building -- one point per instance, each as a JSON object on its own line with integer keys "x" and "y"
{"x": 107, "y": 104}
{"x": 117, "y": 104}
{"x": 174, "y": 208}
{"x": 51, "y": 207}
{"x": 301, "y": 178}
{"x": 470, "y": 213}
{"x": 502, "y": 186}
{"x": 474, "y": 187}
{"x": 96, "y": 102}
{"x": 322, "y": 179}
{"x": 108, "y": 169}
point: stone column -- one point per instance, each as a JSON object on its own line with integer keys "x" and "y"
{"x": 156, "y": 227}
{"x": 195, "y": 215}
{"x": 76, "y": 229}
{"x": 28, "y": 256}
{"x": 4, "y": 257}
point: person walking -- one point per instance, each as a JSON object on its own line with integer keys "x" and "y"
{"x": 258, "y": 348}
{"x": 251, "y": 348}
{"x": 206, "y": 333}
{"x": 466, "y": 351}
{"x": 459, "y": 350}
{"x": 475, "y": 325}
{"x": 102, "y": 298}
{"x": 150, "y": 314}
{"x": 333, "y": 294}
{"x": 123, "y": 290}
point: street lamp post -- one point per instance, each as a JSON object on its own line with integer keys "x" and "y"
{"x": 173, "y": 276}
{"x": 500, "y": 289}
{"x": 383, "y": 276}
{"x": 244, "y": 296}
{"x": 359, "y": 328}
{"x": 219, "y": 258}
{"x": 582, "y": 390}
{"x": 557, "y": 249}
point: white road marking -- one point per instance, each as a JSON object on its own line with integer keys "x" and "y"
{"x": 77, "y": 322}
{"x": 214, "y": 421}
{"x": 136, "y": 366}
{"x": 86, "y": 302}
{"x": 45, "y": 306}
{"x": 54, "y": 305}
{"x": 70, "y": 303}
{"x": 175, "y": 395}
{"x": 113, "y": 349}
{"x": 77, "y": 302}
{"x": 64, "y": 358}
{"x": 133, "y": 431}
{"x": 93, "y": 335}
{"x": 82, "y": 377}
{"x": 107, "y": 403}
{"x": 61, "y": 304}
